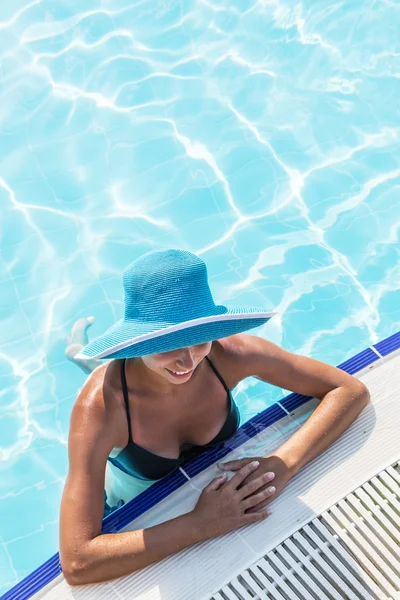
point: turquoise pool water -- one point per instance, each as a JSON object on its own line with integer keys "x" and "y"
{"x": 262, "y": 135}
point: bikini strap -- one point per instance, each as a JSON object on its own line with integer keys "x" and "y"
{"x": 218, "y": 374}
{"x": 126, "y": 397}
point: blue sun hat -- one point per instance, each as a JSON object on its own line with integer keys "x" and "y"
{"x": 168, "y": 305}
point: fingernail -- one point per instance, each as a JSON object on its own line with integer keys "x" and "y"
{"x": 255, "y": 463}
{"x": 272, "y": 489}
{"x": 220, "y": 465}
{"x": 269, "y": 512}
{"x": 270, "y": 475}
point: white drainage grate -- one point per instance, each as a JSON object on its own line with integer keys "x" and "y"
{"x": 351, "y": 551}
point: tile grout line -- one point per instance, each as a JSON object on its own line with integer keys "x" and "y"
{"x": 238, "y": 534}
{"x": 182, "y": 470}
{"x": 283, "y": 408}
{"x": 376, "y": 352}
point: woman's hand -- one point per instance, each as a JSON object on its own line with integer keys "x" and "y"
{"x": 268, "y": 465}
{"x": 227, "y": 505}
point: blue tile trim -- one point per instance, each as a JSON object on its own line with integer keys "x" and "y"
{"x": 389, "y": 345}
{"x": 293, "y": 401}
{"x": 117, "y": 520}
{"x": 146, "y": 500}
{"x": 359, "y": 361}
{"x": 35, "y": 581}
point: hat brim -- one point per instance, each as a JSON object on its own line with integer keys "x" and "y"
{"x": 131, "y": 338}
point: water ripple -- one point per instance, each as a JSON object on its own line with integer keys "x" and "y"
{"x": 261, "y": 134}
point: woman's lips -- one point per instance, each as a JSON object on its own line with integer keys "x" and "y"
{"x": 184, "y": 376}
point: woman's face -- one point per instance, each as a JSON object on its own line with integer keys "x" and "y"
{"x": 177, "y": 366}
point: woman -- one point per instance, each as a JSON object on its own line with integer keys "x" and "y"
{"x": 164, "y": 395}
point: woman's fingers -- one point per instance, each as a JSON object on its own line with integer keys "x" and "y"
{"x": 243, "y": 473}
{"x": 259, "y": 498}
{"x": 216, "y": 483}
{"x": 254, "y": 517}
{"x": 233, "y": 465}
{"x": 253, "y": 486}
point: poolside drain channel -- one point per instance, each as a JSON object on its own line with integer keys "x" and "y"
{"x": 351, "y": 551}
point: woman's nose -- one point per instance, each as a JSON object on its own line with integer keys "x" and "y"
{"x": 186, "y": 359}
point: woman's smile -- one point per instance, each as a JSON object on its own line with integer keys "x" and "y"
{"x": 180, "y": 374}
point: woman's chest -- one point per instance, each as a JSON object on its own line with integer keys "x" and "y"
{"x": 195, "y": 418}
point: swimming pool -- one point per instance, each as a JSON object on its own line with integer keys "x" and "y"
{"x": 262, "y": 135}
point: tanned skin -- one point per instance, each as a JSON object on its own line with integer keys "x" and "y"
{"x": 168, "y": 412}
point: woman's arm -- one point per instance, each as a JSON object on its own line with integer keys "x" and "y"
{"x": 337, "y": 411}
{"x": 342, "y": 396}
{"x": 87, "y": 556}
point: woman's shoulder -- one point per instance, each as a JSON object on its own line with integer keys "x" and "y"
{"x": 239, "y": 346}
{"x": 96, "y": 424}
{"x": 100, "y": 397}
{"x": 231, "y": 356}
{"x": 100, "y": 381}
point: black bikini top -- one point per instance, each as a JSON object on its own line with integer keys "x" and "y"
{"x": 143, "y": 464}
